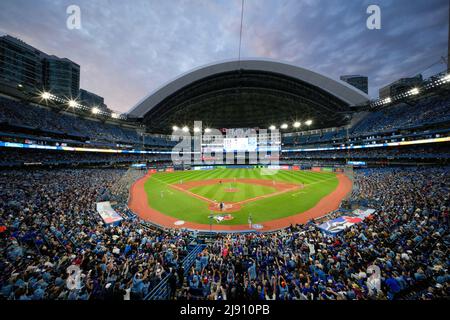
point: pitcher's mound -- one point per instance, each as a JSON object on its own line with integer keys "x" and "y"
{"x": 231, "y": 190}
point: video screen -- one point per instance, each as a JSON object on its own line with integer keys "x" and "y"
{"x": 249, "y": 144}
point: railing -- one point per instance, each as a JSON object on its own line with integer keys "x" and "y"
{"x": 161, "y": 291}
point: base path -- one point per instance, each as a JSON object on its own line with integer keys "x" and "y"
{"x": 280, "y": 187}
{"x": 139, "y": 205}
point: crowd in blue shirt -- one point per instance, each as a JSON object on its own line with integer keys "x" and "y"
{"x": 407, "y": 239}
{"x": 48, "y": 223}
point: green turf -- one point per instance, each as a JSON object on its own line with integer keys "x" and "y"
{"x": 244, "y": 191}
{"x": 183, "y": 206}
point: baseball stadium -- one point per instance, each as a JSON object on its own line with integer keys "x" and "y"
{"x": 235, "y": 179}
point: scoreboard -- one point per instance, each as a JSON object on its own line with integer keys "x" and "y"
{"x": 249, "y": 144}
{"x": 242, "y": 140}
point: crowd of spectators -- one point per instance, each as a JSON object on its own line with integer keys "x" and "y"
{"x": 18, "y": 157}
{"x": 12, "y": 157}
{"x": 393, "y": 119}
{"x": 120, "y": 190}
{"x": 432, "y": 151}
{"x": 407, "y": 239}
{"x": 48, "y": 223}
{"x": 17, "y": 113}
{"x": 402, "y": 115}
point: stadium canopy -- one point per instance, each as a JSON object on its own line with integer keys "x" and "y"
{"x": 248, "y": 94}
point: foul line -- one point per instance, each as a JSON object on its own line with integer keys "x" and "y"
{"x": 234, "y": 203}
{"x": 246, "y": 200}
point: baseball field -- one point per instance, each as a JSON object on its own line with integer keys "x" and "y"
{"x": 228, "y": 198}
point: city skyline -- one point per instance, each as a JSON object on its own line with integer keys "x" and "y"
{"x": 128, "y": 50}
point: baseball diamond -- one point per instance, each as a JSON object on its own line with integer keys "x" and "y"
{"x": 274, "y": 201}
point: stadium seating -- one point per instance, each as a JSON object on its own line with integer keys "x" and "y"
{"x": 49, "y": 222}
{"x": 428, "y": 116}
{"x": 20, "y": 157}
{"x": 403, "y": 116}
{"x": 43, "y": 119}
{"x": 48, "y": 219}
{"x": 381, "y": 124}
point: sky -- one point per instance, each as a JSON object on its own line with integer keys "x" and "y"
{"x": 127, "y": 49}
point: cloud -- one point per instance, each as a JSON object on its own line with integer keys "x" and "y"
{"x": 128, "y": 49}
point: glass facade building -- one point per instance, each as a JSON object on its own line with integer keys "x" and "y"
{"x": 357, "y": 81}
{"x": 20, "y": 64}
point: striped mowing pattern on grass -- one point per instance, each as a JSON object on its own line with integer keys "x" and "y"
{"x": 180, "y": 205}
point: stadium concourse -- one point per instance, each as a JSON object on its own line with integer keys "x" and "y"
{"x": 62, "y": 168}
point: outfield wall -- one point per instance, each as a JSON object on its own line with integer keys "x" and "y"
{"x": 294, "y": 167}
{"x": 204, "y": 229}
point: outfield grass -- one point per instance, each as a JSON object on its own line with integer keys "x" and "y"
{"x": 183, "y": 206}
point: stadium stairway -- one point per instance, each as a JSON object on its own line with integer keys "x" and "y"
{"x": 161, "y": 291}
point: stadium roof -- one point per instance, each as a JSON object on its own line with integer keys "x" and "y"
{"x": 248, "y": 94}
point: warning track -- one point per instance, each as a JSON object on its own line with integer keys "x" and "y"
{"x": 138, "y": 203}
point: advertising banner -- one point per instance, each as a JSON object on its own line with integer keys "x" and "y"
{"x": 338, "y": 225}
{"x": 108, "y": 214}
{"x": 343, "y": 222}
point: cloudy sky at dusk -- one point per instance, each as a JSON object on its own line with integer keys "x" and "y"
{"x": 126, "y": 49}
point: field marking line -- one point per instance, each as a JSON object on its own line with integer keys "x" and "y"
{"x": 192, "y": 194}
{"x": 297, "y": 193}
{"x": 234, "y": 203}
{"x": 160, "y": 181}
{"x": 165, "y": 183}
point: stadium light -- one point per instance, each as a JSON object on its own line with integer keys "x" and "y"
{"x": 414, "y": 91}
{"x": 115, "y": 115}
{"x": 196, "y": 129}
{"x": 284, "y": 126}
{"x": 272, "y": 127}
{"x": 175, "y": 128}
{"x": 45, "y": 95}
{"x": 95, "y": 110}
{"x": 185, "y": 129}
{"x": 207, "y": 130}
{"x": 296, "y": 124}
{"x": 308, "y": 122}
{"x": 72, "y": 103}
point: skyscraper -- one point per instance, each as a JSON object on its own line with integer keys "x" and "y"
{"x": 61, "y": 76}
{"x": 25, "y": 66}
{"x": 92, "y": 100}
{"x": 357, "y": 81}
{"x": 20, "y": 64}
